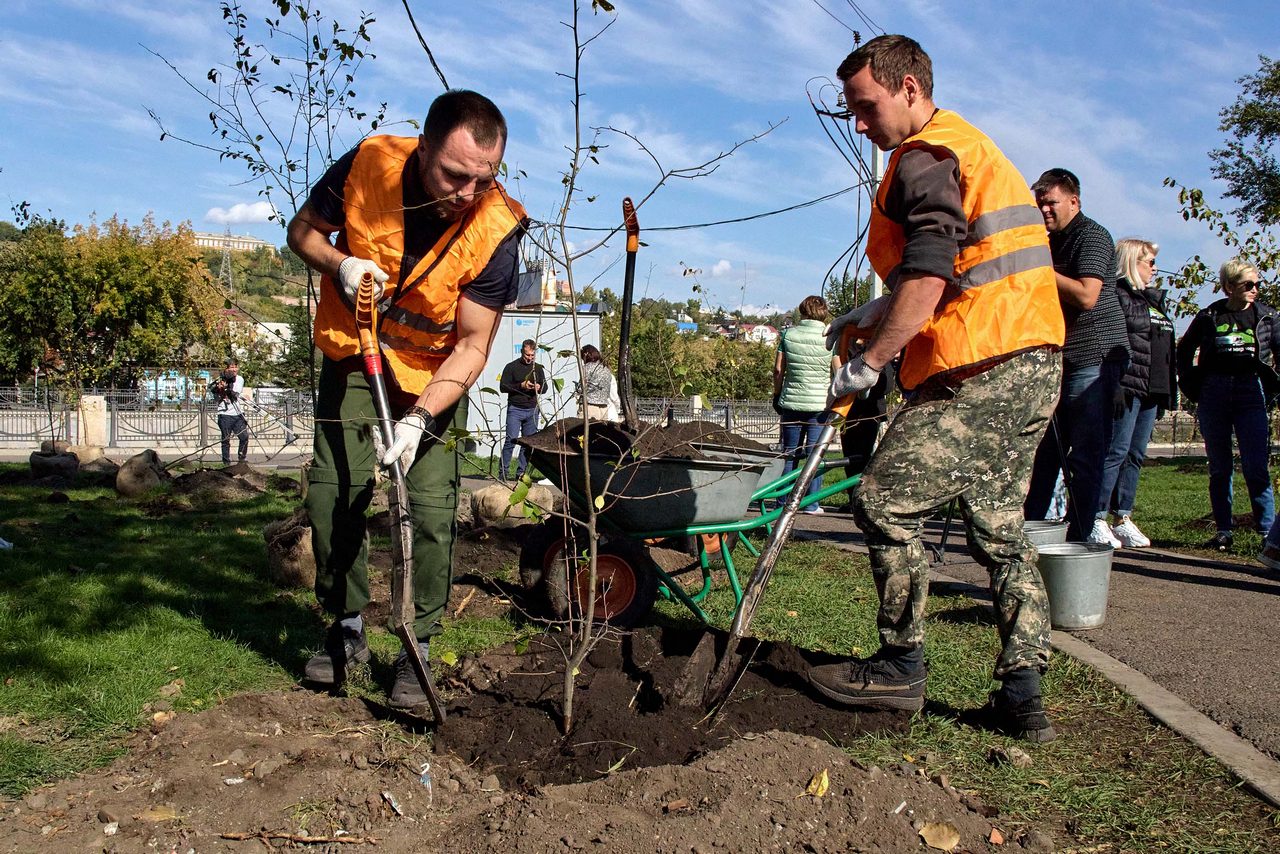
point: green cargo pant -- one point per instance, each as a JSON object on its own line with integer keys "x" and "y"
{"x": 340, "y": 489}
{"x": 974, "y": 442}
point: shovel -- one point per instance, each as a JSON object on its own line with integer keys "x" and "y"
{"x": 398, "y": 500}
{"x": 732, "y": 664}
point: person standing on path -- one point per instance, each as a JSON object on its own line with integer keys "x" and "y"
{"x": 801, "y": 376}
{"x": 1227, "y": 366}
{"x": 522, "y": 381}
{"x": 956, "y": 236}
{"x": 1093, "y": 358}
{"x": 231, "y": 421}
{"x": 598, "y": 390}
{"x": 1148, "y": 387}
{"x": 427, "y": 219}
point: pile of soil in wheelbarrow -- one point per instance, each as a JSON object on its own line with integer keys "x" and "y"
{"x": 638, "y": 773}
{"x": 678, "y": 440}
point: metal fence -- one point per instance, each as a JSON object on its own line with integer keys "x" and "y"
{"x": 280, "y": 418}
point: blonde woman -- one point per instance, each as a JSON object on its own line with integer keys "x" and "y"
{"x": 1148, "y": 387}
{"x": 801, "y": 377}
{"x": 1233, "y": 382}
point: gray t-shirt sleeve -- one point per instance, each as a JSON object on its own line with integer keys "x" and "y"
{"x": 925, "y": 198}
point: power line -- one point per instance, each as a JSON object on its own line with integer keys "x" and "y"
{"x": 688, "y": 226}
{"x": 863, "y": 16}
{"x": 833, "y": 17}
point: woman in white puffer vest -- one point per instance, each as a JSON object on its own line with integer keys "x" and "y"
{"x": 801, "y": 377}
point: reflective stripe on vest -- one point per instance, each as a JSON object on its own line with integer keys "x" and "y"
{"x": 1003, "y": 297}
{"x": 417, "y": 321}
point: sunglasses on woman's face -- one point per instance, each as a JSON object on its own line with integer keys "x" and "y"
{"x": 1248, "y": 285}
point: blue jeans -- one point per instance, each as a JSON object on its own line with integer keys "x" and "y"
{"x": 520, "y": 422}
{"x": 1083, "y": 423}
{"x": 800, "y": 432}
{"x": 1236, "y": 404}
{"x": 1130, "y": 434}
{"x": 233, "y": 425}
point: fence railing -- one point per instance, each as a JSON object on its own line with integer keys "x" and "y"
{"x": 283, "y": 419}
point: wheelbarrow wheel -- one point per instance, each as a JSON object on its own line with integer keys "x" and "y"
{"x": 626, "y": 582}
{"x": 543, "y": 545}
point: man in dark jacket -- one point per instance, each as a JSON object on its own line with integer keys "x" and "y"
{"x": 522, "y": 381}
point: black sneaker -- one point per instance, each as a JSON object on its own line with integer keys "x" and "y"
{"x": 874, "y": 682}
{"x": 1024, "y": 719}
{"x": 342, "y": 648}
{"x": 1221, "y": 541}
{"x": 406, "y": 691}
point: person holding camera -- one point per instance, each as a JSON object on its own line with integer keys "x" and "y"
{"x": 231, "y": 421}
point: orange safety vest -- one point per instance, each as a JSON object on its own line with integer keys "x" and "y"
{"x": 416, "y": 327}
{"x": 1003, "y": 298}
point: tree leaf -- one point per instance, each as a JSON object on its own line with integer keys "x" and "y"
{"x": 449, "y": 657}
{"x": 819, "y": 784}
{"x": 941, "y": 835}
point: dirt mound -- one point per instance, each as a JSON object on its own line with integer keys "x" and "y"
{"x": 216, "y": 485}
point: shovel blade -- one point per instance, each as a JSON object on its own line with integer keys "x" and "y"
{"x": 714, "y": 669}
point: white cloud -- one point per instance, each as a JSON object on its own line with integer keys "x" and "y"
{"x": 241, "y": 213}
{"x": 722, "y": 268}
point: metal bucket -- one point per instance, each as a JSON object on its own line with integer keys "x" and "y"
{"x": 1077, "y": 577}
{"x": 1045, "y": 533}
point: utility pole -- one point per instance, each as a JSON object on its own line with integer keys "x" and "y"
{"x": 225, "y": 277}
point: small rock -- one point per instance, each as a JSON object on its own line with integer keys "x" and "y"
{"x": 37, "y": 800}
{"x": 941, "y": 780}
{"x": 1015, "y": 756}
{"x": 263, "y": 767}
{"x": 490, "y": 784}
{"x": 237, "y": 757}
{"x": 106, "y": 816}
{"x": 1038, "y": 842}
{"x": 111, "y": 828}
{"x": 450, "y": 785}
{"x": 361, "y": 762}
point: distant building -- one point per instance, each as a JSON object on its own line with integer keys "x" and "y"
{"x": 759, "y": 333}
{"x": 236, "y": 242}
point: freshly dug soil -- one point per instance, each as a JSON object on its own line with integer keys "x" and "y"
{"x": 638, "y": 774}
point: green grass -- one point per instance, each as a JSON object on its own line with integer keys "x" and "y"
{"x": 1172, "y": 507}
{"x": 1113, "y": 776}
{"x": 103, "y": 602}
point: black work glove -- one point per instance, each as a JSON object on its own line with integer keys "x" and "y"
{"x": 1119, "y": 404}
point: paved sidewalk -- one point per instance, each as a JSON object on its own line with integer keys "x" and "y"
{"x": 1193, "y": 639}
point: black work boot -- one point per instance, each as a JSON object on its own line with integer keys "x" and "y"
{"x": 893, "y": 678}
{"x": 1017, "y": 709}
{"x": 342, "y": 648}
{"x": 406, "y": 691}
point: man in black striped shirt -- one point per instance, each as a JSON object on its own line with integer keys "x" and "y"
{"x": 1094, "y": 357}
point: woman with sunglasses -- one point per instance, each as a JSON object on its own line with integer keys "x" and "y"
{"x": 1233, "y": 382}
{"x": 1148, "y": 387}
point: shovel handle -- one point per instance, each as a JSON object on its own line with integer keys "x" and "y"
{"x": 632, "y": 224}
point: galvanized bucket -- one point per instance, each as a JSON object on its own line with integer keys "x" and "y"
{"x": 1077, "y": 577}
{"x": 1045, "y": 533}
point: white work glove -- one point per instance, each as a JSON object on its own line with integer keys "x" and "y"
{"x": 855, "y": 376}
{"x": 865, "y": 316}
{"x": 352, "y": 270}
{"x": 407, "y": 437}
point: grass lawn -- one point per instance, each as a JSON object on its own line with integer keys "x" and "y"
{"x": 104, "y": 603}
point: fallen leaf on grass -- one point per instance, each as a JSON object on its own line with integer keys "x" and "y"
{"x": 793, "y": 613}
{"x": 164, "y": 812}
{"x": 449, "y": 657}
{"x": 162, "y": 718}
{"x": 941, "y": 835}
{"x": 818, "y": 784}
{"x": 173, "y": 689}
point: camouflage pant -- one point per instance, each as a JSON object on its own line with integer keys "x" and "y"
{"x": 974, "y": 442}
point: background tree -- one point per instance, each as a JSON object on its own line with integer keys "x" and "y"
{"x": 299, "y": 358}
{"x": 1247, "y": 160}
{"x": 846, "y": 293}
{"x": 92, "y": 306}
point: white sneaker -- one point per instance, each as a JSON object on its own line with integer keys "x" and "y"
{"x": 1129, "y": 535}
{"x": 1102, "y": 535}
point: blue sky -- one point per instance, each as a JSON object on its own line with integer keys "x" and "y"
{"x": 1122, "y": 93}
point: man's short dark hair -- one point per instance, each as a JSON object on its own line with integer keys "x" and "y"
{"x": 462, "y": 108}
{"x": 1062, "y": 179}
{"x": 891, "y": 58}
{"x": 528, "y": 342}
